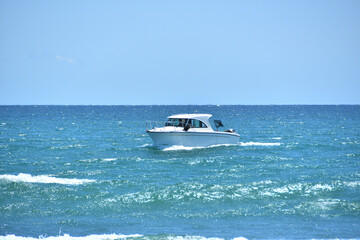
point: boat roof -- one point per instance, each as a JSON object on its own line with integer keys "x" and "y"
{"x": 198, "y": 116}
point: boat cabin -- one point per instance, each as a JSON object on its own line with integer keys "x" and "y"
{"x": 189, "y": 120}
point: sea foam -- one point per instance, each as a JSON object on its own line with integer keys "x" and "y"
{"x": 23, "y": 177}
{"x": 109, "y": 159}
{"x": 186, "y": 148}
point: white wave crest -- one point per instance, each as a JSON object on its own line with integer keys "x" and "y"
{"x": 246, "y": 144}
{"x": 146, "y": 145}
{"x": 23, "y": 177}
{"x": 68, "y": 237}
{"x": 178, "y": 148}
{"x": 109, "y": 159}
{"x": 67, "y": 147}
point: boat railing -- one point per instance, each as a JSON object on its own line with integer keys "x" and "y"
{"x": 154, "y": 124}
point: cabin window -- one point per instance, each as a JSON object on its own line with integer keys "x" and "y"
{"x": 197, "y": 123}
{"x": 176, "y": 122}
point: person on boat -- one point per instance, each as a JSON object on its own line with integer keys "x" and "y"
{"x": 181, "y": 122}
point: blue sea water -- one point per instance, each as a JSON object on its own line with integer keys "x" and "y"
{"x": 91, "y": 172}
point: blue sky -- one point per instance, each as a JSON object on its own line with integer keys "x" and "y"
{"x": 179, "y": 52}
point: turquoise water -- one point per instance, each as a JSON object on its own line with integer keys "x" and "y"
{"x": 92, "y": 172}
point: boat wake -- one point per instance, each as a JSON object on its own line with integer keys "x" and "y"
{"x": 23, "y": 177}
{"x": 185, "y": 148}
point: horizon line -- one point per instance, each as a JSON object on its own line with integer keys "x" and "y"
{"x": 297, "y": 104}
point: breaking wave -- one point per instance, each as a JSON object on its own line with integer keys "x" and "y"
{"x": 67, "y": 147}
{"x": 23, "y": 177}
{"x": 109, "y": 159}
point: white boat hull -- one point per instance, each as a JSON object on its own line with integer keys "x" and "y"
{"x": 192, "y": 139}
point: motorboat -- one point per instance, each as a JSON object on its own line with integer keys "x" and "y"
{"x": 190, "y": 130}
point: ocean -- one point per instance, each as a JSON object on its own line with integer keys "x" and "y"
{"x": 91, "y": 172}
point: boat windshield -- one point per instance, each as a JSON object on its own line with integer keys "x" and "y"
{"x": 196, "y": 123}
{"x": 212, "y": 123}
